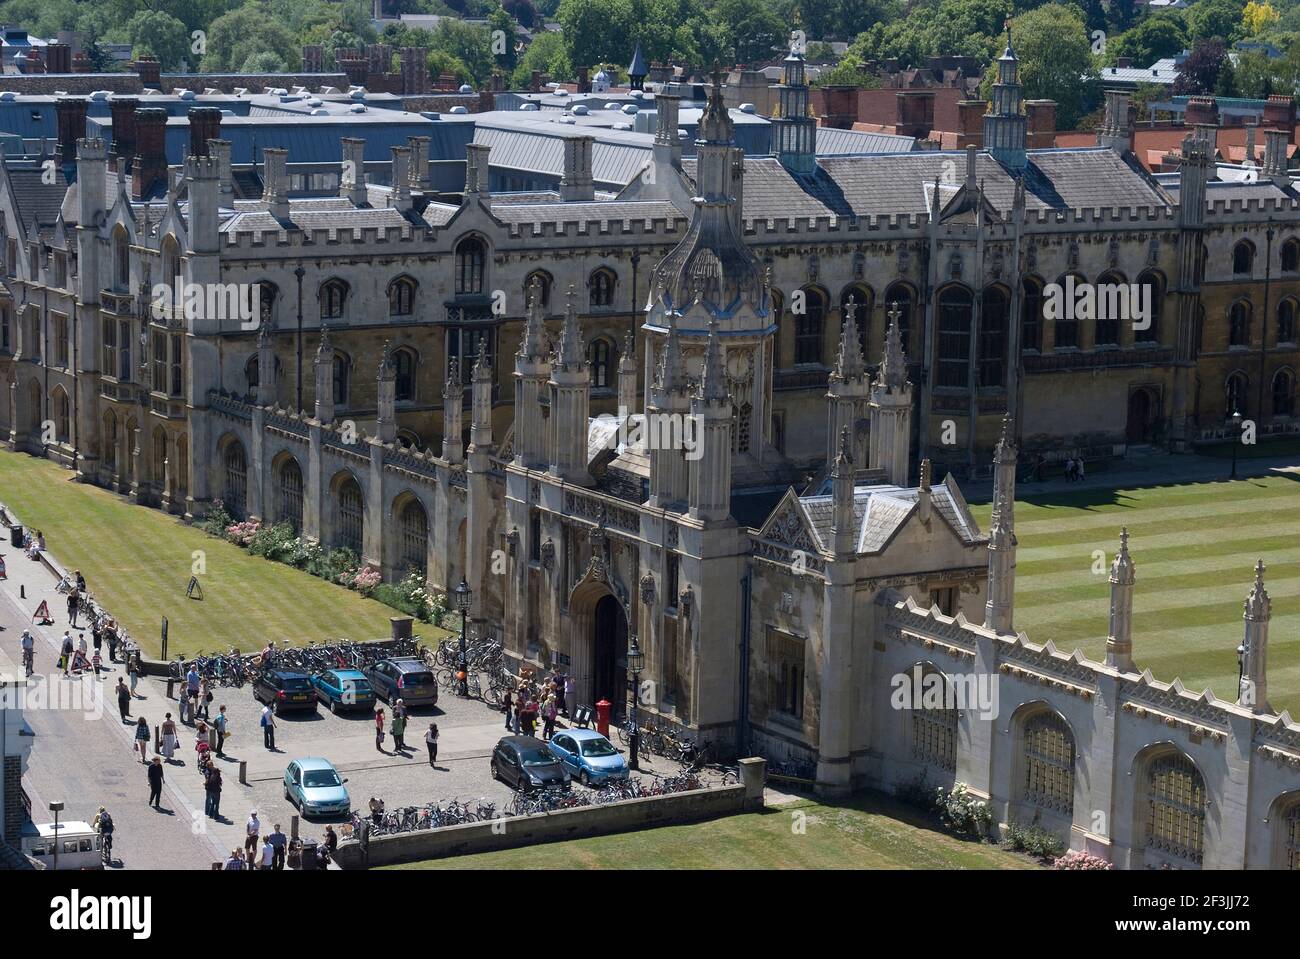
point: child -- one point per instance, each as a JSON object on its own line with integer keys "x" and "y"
{"x": 97, "y": 662}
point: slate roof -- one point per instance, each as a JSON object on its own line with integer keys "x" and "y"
{"x": 900, "y": 183}
{"x": 604, "y": 211}
{"x": 38, "y": 202}
{"x": 879, "y": 512}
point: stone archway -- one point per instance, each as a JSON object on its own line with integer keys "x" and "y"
{"x": 1140, "y": 426}
{"x": 598, "y": 644}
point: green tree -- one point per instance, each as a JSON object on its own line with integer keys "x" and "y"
{"x": 1207, "y": 19}
{"x": 264, "y": 62}
{"x": 502, "y": 44}
{"x": 235, "y": 36}
{"x": 548, "y": 55}
{"x": 1056, "y": 61}
{"x": 596, "y": 30}
{"x": 754, "y": 31}
{"x": 161, "y": 35}
{"x": 469, "y": 43}
{"x": 1158, "y": 36}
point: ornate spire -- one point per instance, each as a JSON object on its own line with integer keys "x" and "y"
{"x": 850, "y": 363}
{"x": 387, "y": 367}
{"x": 1122, "y": 570}
{"x": 715, "y": 123}
{"x": 844, "y": 457}
{"x": 1258, "y": 605}
{"x": 892, "y": 374}
{"x": 453, "y": 386}
{"x": 533, "y": 344}
{"x": 324, "y": 350}
{"x": 570, "y": 352}
{"x": 713, "y": 381}
{"x": 264, "y": 334}
{"x": 482, "y": 365}
{"x": 672, "y": 367}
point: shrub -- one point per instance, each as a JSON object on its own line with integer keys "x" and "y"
{"x": 364, "y": 580}
{"x": 1034, "y": 840}
{"x": 1077, "y": 859}
{"x": 390, "y": 595}
{"x": 961, "y": 812}
{"x": 242, "y": 534}
{"x": 274, "y": 542}
{"x": 218, "y": 520}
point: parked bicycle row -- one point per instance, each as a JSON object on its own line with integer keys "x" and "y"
{"x": 663, "y": 740}
{"x": 235, "y": 668}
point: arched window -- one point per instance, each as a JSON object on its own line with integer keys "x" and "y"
{"x": 862, "y": 298}
{"x": 1067, "y": 324}
{"x": 1239, "y": 323}
{"x": 61, "y": 415}
{"x": 471, "y": 256}
{"x": 1286, "y": 311}
{"x": 409, "y": 439}
{"x": 159, "y": 457}
{"x": 266, "y": 298}
{"x": 600, "y": 355}
{"x": 1031, "y": 314}
{"x": 1049, "y": 763}
{"x": 182, "y": 471}
{"x": 1155, "y": 283}
{"x": 955, "y": 304}
{"x": 544, "y": 283}
{"x": 122, "y": 260}
{"x": 404, "y": 375}
{"x": 342, "y": 376}
{"x": 401, "y": 297}
{"x": 1291, "y": 255}
{"x": 740, "y": 429}
{"x": 289, "y": 508}
{"x": 934, "y": 725}
{"x": 170, "y": 257}
{"x": 108, "y": 440}
{"x": 808, "y": 327}
{"x": 415, "y": 536}
{"x": 333, "y": 298}
{"x": 236, "y": 487}
{"x": 1175, "y": 809}
{"x": 1111, "y": 287}
{"x": 900, "y": 295}
{"x": 1284, "y": 393}
{"x": 600, "y": 288}
{"x": 351, "y": 516}
{"x": 995, "y": 318}
{"x": 1243, "y": 257}
{"x": 1236, "y": 388}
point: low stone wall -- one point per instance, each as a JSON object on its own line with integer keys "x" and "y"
{"x": 584, "y": 822}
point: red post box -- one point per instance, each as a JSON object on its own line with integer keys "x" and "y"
{"x": 602, "y": 717}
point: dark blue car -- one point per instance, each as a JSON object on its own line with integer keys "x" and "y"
{"x": 341, "y": 689}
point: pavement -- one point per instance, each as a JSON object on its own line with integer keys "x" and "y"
{"x": 82, "y": 751}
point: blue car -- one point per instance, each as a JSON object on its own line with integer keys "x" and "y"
{"x": 315, "y": 787}
{"x": 588, "y": 756}
{"x": 343, "y": 689}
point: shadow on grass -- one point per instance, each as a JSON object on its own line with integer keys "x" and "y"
{"x": 1117, "y": 497}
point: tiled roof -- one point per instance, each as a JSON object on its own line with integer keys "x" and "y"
{"x": 880, "y": 511}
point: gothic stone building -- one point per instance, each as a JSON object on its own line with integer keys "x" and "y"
{"x": 783, "y": 570}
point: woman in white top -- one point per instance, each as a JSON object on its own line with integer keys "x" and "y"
{"x": 168, "y": 737}
{"x": 268, "y": 853}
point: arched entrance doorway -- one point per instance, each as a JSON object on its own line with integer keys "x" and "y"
{"x": 609, "y": 654}
{"x": 1141, "y": 417}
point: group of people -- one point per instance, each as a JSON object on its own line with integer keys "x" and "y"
{"x": 1074, "y": 469}
{"x": 269, "y": 850}
{"x": 525, "y": 706}
{"x": 33, "y": 543}
{"x": 397, "y": 726}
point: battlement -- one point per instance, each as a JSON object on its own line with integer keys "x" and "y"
{"x": 1252, "y": 204}
{"x": 637, "y": 227}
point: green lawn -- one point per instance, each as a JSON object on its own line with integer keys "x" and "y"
{"x": 871, "y": 832}
{"x": 137, "y": 563}
{"x": 1194, "y": 547}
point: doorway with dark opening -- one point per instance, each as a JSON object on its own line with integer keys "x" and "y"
{"x": 609, "y": 660}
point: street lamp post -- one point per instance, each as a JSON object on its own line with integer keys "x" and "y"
{"x": 56, "y": 806}
{"x": 1236, "y": 439}
{"x": 635, "y": 663}
{"x": 463, "y": 597}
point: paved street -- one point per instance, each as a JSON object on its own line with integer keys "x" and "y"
{"x": 86, "y": 760}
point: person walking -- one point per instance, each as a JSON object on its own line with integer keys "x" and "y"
{"x": 399, "y": 731}
{"x": 280, "y": 844}
{"x": 96, "y": 635}
{"x": 192, "y": 682}
{"x": 561, "y": 699}
{"x": 570, "y": 691}
{"x": 183, "y": 704}
{"x": 379, "y": 728}
{"x": 110, "y": 633}
{"x": 252, "y": 830}
{"x": 220, "y": 725}
{"x": 205, "y": 698}
{"x": 123, "y": 700}
{"x": 28, "y": 644}
{"x": 507, "y": 706}
{"x": 97, "y": 662}
{"x": 431, "y": 743}
{"x": 549, "y": 712}
{"x": 74, "y": 603}
{"x": 155, "y": 781}
{"x": 133, "y": 673}
{"x": 268, "y": 854}
{"x": 142, "y": 739}
{"x": 268, "y": 728}
{"x": 65, "y": 660}
{"x": 168, "y": 738}
{"x": 212, "y": 792}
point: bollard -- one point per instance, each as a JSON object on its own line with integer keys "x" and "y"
{"x": 243, "y": 771}
{"x": 157, "y": 739}
{"x": 171, "y": 688}
{"x": 293, "y": 827}
{"x": 22, "y": 590}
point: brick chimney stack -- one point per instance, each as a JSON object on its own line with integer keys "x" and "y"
{"x": 58, "y": 58}
{"x": 915, "y": 113}
{"x": 150, "y": 166}
{"x": 1041, "y": 116}
{"x": 205, "y": 125}
{"x": 150, "y": 72}
{"x": 122, "y": 110}
{"x": 81, "y": 63}
{"x": 970, "y": 123}
{"x": 1202, "y": 111}
{"x": 71, "y": 115}
{"x": 1280, "y": 114}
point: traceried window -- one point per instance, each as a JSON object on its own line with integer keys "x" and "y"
{"x": 1049, "y": 763}
{"x": 1291, "y": 255}
{"x": 600, "y": 288}
{"x": 1066, "y": 327}
{"x": 808, "y": 328}
{"x": 1106, "y": 326}
{"x": 934, "y": 726}
{"x": 415, "y": 536}
{"x": 601, "y": 363}
{"x": 1243, "y": 257}
{"x": 471, "y": 256}
{"x": 1031, "y": 314}
{"x": 404, "y": 376}
{"x": 1286, "y": 315}
{"x": 290, "y": 505}
{"x": 1155, "y": 283}
{"x": 342, "y": 375}
{"x": 236, "y": 487}
{"x": 1291, "y": 838}
{"x": 954, "y": 336}
{"x": 994, "y": 321}
{"x": 544, "y": 283}
{"x": 740, "y": 428}
{"x": 1236, "y": 392}
{"x": 333, "y": 298}
{"x": 401, "y": 297}
{"x": 350, "y": 516}
{"x": 786, "y": 655}
{"x": 1175, "y": 812}
{"x": 1239, "y": 324}
{"x": 1283, "y": 393}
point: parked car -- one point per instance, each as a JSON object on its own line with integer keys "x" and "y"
{"x": 283, "y": 690}
{"x": 343, "y": 689}
{"x": 405, "y": 678}
{"x": 316, "y": 788}
{"x": 588, "y": 756}
{"x": 526, "y": 764}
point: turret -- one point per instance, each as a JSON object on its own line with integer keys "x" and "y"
{"x": 532, "y": 370}
{"x": 846, "y": 398}
{"x": 668, "y": 401}
{"x": 453, "y": 399}
{"x": 386, "y": 417}
{"x": 1002, "y": 536}
{"x": 1258, "y": 609}
{"x": 1119, "y": 644}
{"x": 266, "y": 368}
{"x": 627, "y": 377}
{"x": 480, "y": 429}
{"x": 891, "y": 408}
{"x": 324, "y": 377}
{"x": 843, "y": 529}
{"x": 710, "y": 472}
{"x": 570, "y": 386}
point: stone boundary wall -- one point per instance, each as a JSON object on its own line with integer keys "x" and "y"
{"x": 582, "y": 823}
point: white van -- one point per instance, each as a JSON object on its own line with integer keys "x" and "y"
{"x": 78, "y": 845}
